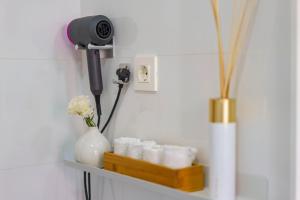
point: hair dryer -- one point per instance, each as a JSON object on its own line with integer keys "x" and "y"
{"x": 93, "y": 30}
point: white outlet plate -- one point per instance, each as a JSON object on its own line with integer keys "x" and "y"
{"x": 145, "y": 73}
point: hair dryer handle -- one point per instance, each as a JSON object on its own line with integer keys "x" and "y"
{"x": 94, "y": 68}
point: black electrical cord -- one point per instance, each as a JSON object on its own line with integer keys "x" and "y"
{"x": 123, "y": 75}
{"x": 98, "y": 107}
{"x": 89, "y": 186}
{"x": 87, "y": 182}
{"x": 114, "y": 107}
{"x": 85, "y": 186}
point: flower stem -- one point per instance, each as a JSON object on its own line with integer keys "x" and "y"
{"x": 89, "y": 121}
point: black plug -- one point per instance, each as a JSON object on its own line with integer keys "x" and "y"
{"x": 123, "y": 74}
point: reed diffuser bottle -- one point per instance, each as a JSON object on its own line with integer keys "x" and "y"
{"x": 222, "y": 173}
{"x": 223, "y": 143}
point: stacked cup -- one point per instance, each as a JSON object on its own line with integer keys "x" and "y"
{"x": 178, "y": 156}
{"x": 171, "y": 156}
{"x": 121, "y": 145}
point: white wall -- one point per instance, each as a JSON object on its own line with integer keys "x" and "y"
{"x": 38, "y": 74}
{"x": 182, "y": 34}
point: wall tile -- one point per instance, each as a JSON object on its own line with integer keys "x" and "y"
{"x": 35, "y": 29}
{"x": 35, "y": 126}
{"x": 52, "y": 181}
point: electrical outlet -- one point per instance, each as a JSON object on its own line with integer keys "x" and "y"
{"x": 145, "y": 73}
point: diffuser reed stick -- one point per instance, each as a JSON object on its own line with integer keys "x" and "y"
{"x": 239, "y": 30}
{"x": 215, "y": 6}
{"x": 238, "y": 42}
{"x": 234, "y": 53}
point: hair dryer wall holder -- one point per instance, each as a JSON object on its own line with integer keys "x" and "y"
{"x": 119, "y": 82}
{"x": 106, "y": 51}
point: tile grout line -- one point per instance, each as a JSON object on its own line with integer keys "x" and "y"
{"x": 30, "y": 166}
{"x": 116, "y": 57}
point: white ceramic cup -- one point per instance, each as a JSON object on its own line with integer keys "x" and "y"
{"x": 121, "y": 145}
{"x": 153, "y": 154}
{"x": 178, "y": 157}
{"x": 148, "y": 143}
{"x": 135, "y": 150}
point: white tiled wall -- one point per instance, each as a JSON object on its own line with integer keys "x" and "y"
{"x": 182, "y": 34}
{"x": 38, "y": 74}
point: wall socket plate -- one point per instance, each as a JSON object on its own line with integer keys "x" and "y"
{"x": 145, "y": 73}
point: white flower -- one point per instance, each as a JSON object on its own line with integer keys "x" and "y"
{"x": 81, "y": 106}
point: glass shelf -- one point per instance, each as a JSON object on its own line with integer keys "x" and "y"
{"x": 250, "y": 187}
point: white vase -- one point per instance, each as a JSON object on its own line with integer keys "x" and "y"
{"x": 90, "y": 148}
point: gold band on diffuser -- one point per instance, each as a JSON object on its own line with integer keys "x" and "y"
{"x": 222, "y": 110}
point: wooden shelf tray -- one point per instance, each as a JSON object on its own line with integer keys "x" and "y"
{"x": 189, "y": 179}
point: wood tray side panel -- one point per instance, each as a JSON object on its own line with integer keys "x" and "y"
{"x": 139, "y": 165}
{"x": 188, "y": 179}
{"x": 156, "y": 178}
{"x": 192, "y": 183}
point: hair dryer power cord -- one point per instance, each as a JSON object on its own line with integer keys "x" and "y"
{"x": 113, "y": 109}
{"x": 87, "y": 180}
{"x": 87, "y": 183}
{"x": 87, "y": 195}
{"x": 98, "y": 108}
{"x": 123, "y": 76}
